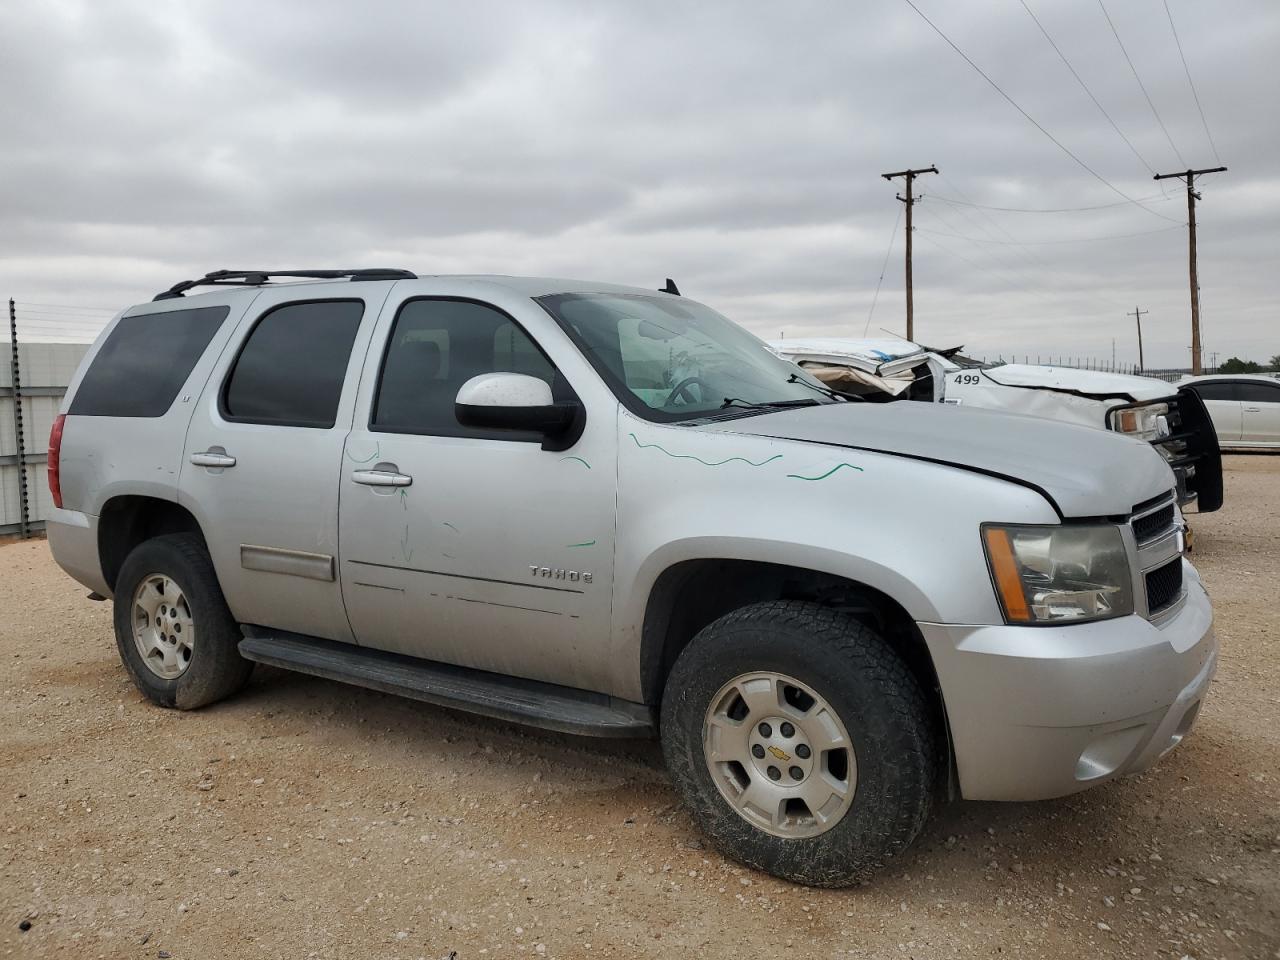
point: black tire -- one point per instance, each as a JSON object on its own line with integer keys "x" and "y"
{"x": 216, "y": 670}
{"x": 894, "y": 735}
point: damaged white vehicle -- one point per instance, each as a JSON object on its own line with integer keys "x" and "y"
{"x": 1173, "y": 419}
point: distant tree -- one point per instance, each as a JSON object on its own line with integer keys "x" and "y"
{"x": 1275, "y": 362}
{"x": 1236, "y": 365}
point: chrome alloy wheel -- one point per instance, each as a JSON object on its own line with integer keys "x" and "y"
{"x": 779, "y": 754}
{"x": 163, "y": 629}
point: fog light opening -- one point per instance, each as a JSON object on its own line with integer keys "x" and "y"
{"x": 1108, "y": 753}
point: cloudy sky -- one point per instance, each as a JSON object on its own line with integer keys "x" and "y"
{"x": 734, "y": 146}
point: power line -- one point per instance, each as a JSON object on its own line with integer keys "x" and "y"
{"x": 1213, "y": 146}
{"x": 1039, "y": 243}
{"x": 1085, "y": 88}
{"x": 975, "y": 216}
{"x": 1153, "y": 198}
{"x": 1017, "y": 258}
{"x": 1032, "y": 120}
{"x": 1141, "y": 85}
{"x": 1013, "y": 285}
{"x": 1031, "y": 254}
{"x": 883, "y": 267}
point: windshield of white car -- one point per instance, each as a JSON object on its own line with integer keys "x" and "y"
{"x": 669, "y": 359}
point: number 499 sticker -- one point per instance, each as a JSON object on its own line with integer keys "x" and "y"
{"x": 966, "y": 379}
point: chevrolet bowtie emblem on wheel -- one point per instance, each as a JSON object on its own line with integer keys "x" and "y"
{"x": 784, "y": 757}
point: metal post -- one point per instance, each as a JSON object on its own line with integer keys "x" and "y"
{"x": 24, "y": 513}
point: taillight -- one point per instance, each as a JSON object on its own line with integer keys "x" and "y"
{"x": 55, "y": 456}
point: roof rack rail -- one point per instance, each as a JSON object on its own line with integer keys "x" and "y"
{"x": 253, "y": 278}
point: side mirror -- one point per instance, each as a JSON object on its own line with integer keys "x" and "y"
{"x": 513, "y": 401}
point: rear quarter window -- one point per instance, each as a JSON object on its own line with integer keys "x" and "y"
{"x": 144, "y": 362}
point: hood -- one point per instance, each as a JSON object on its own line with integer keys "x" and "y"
{"x": 1086, "y": 383}
{"x": 1082, "y": 471}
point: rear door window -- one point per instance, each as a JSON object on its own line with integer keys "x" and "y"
{"x": 144, "y": 362}
{"x": 291, "y": 368}
{"x": 1256, "y": 392}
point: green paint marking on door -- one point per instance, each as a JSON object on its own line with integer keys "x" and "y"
{"x": 707, "y": 463}
{"x": 585, "y": 543}
{"x": 796, "y": 476}
{"x": 579, "y": 459}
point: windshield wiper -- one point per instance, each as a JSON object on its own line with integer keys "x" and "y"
{"x": 826, "y": 391}
{"x": 766, "y": 404}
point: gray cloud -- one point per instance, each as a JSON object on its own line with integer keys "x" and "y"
{"x": 737, "y": 147}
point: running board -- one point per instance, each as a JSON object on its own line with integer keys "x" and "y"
{"x": 538, "y": 704}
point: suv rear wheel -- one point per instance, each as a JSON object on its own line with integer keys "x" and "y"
{"x": 175, "y": 634}
{"x": 800, "y": 741}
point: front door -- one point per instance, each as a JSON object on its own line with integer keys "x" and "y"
{"x": 1222, "y": 400}
{"x": 469, "y": 547}
{"x": 261, "y": 464}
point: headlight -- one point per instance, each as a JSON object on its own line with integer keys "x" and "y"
{"x": 1059, "y": 574}
{"x": 1150, "y": 422}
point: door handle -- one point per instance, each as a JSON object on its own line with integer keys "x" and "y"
{"x": 1252, "y": 409}
{"x": 216, "y": 457}
{"x": 381, "y": 478}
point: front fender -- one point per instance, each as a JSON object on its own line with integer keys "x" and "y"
{"x": 907, "y": 528}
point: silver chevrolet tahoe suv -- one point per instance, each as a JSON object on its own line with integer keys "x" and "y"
{"x": 610, "y": 511}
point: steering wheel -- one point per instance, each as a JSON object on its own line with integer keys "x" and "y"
{"x": 681, "y": 390}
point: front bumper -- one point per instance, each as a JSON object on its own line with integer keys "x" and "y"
{"x": 1039, "y": 712}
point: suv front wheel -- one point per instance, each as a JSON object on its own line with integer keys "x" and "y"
{"x": 175, "y": 634}
{"x": 800, "y": 741}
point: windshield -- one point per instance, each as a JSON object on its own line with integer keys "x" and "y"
{"x": 669, "y": 359}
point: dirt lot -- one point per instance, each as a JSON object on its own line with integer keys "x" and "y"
{"x": 308, "y": 819}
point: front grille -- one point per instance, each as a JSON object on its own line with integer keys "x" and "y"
{"x": 1153, "y": 525}
{"x": 1164, "y": 585}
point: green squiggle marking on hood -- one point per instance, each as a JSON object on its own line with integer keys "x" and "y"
{"x": 707, "y": 463}
{"x": 796, "y": 476}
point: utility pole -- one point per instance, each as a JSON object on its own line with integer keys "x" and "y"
{"x": 1192, "y": 197}
{"x": 909, "y": 177}
{"x": 1137, "y": 315}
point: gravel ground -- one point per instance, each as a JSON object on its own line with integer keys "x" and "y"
{"x": 309, "y": 819}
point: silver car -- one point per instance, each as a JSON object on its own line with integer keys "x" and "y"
{"x": 610, "y": 511}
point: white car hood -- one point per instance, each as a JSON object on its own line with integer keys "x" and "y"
{"x": 1085, "y": 383}
{"x": 1083, "y": 471}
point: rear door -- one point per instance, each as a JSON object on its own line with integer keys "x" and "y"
{"x": 1222, "y": 398}
{"x": 1260, "y": 410}
{"x": 260, "y": 467}
{"x": 470, "y": 547}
